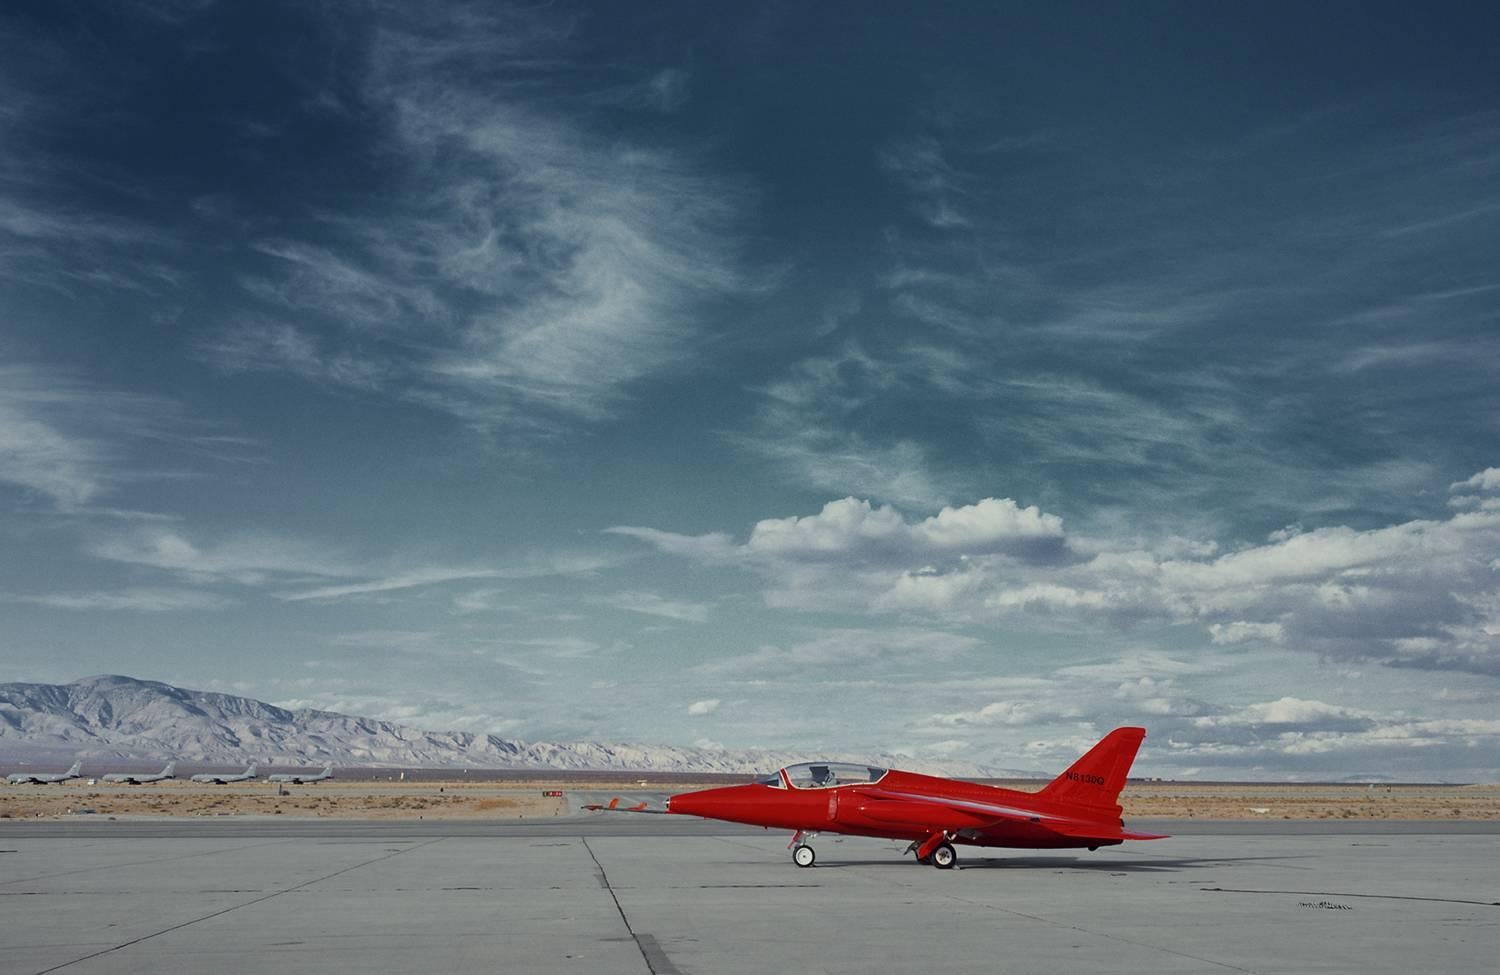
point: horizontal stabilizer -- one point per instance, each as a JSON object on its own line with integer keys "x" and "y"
{"x": 1127, "y": 834}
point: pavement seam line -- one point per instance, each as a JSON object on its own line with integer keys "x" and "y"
{"x": 138, "y": 863}
{"x": 235, "y": 907}
{"x": 668, "y": 968}
{"x": 1341, "y": 893}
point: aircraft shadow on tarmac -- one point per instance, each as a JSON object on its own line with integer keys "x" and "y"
{"x": 1165, "y": 865}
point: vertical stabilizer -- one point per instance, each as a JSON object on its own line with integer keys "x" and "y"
{"x": 1097, "y": 778}
{"x": 76, "y": 770}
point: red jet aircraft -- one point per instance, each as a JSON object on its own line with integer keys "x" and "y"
{"x": 1077, "y": 809}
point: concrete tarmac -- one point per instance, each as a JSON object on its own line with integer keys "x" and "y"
{"x": 656, "y": 895}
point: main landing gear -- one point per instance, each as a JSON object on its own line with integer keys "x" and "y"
{"x": 935, "y": 850}
{"x": 944, "y": 857}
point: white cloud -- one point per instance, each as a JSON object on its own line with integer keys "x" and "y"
{"x": 920, "y": 166}
{"x": 1486, "y": 480}
{"x": 1014, "y": 713}
{"x": 412, "y": 579}
{"x": 1130, "y": 666}
{"x": 260, "y": 559}
{"x": 652, "y": 604}
{"x": 1418, "y": 593}
{"x": 62, "y": 439}
{"x": 1157, "y": 696}
{"x": 529, "y": 270}
{"x": 1290, "y": 711}
{"x": 850, "y": 648}
{"x": 853, "y": 528}
{"x": 249, "y": 559}
{"x": 253, "y": 344}
{"x": 809, "y": 425}
{"x": 700, "y": 708}
{"x": 139, "y": 600}
{"x": 853, "y": 553}
{"x": 703, "y": 548}
{"x": 666, "y": 91}
{"x": 1242, "y": 632}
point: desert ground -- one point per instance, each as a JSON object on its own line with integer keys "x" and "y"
{"x": 429, "y": 795}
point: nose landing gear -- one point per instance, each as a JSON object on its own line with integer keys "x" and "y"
{"x": 803, "y": 855}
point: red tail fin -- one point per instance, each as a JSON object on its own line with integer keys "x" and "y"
{"x": 1097, "y": 778}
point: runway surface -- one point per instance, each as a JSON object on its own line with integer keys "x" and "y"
{"x": 656, "y": 895}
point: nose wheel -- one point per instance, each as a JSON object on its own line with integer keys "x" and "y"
{"x": 804, "y": 855}
{"x": 944, "y": 856}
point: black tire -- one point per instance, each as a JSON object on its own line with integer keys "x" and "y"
{"x": 944, "y": 857}
{"x": 804, "y": 855}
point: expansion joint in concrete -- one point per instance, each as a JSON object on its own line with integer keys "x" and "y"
{"x": 657, "y": 962}
{"x": 236, "y": 907}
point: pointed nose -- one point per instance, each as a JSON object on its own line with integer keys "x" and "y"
{"x": 686, "y": 804}
{"x": 734, "y": 803}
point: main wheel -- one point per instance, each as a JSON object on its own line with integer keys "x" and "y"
{"x": 944, "y": 857}
{"x": 804, "y": 856}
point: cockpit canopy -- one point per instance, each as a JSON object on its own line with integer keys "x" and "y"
{"x": 825, "y": 775}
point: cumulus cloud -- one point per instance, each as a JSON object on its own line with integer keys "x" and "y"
{"x": 855, "y": 553}
{"x": 700, "y": 708}
{"x": 1011, "y": 712}
{"x": 855, "y": 528}
{"x": 1305, "y": 714}
{"x": 1419, "y": 593}
{"x": 1157, "y": 696}
{"x": 1486, "y": 480}
{"x": 1242, "y": 632}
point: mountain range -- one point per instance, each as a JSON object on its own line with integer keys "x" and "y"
{"x": 121, "y": 719}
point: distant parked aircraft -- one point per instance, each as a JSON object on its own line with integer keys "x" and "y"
{"x": 298, "y": 778}
{"x": 44, "y": 778}
{"x": 223, "y": 779}
{"x": 137, "y": 778}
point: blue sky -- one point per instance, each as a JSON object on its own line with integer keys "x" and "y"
{"x": 960, "y": 381}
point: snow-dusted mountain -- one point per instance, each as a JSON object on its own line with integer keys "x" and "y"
{"x": 114, "y": 718}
